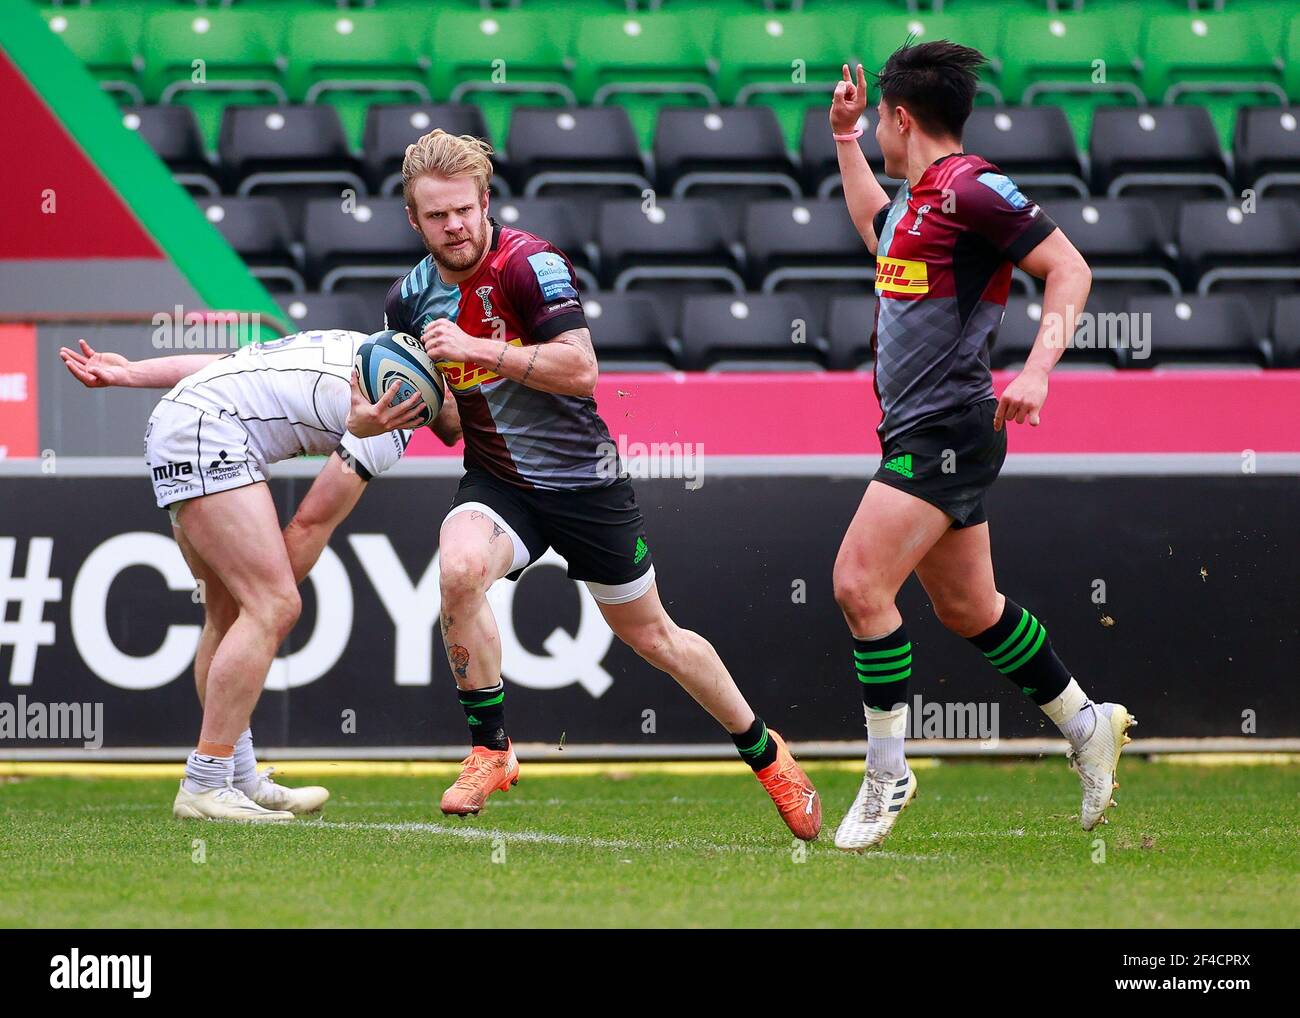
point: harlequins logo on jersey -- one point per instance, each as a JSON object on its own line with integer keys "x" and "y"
{"x": 485, "y": 295}
{"x": 901, "y": 464}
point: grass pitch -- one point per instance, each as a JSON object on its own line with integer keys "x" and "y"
{"x": 983, "y": 845}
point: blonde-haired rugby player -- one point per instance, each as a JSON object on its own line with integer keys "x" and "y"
{"x": 207, "y": 446}
{"x": 498, "y": 311}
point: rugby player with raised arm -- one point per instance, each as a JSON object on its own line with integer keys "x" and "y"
{"x": 945, "y": 246}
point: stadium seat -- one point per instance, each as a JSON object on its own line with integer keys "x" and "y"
{"x": 363, "y": 249}
{"x": 1167, "y": 153}
{"x": 258, "y": 230}
{"x": 1284, "y": 331}
{"x": 500, "y": 59}
{"x": 1032, "y": 144}
{"x": 1225, "y": 249}
{"x": 107, "y": 41}
{"x": 1088, "y": 350}
{"x": 240, "y": 54}
{"x": 979, "y": 26}
{"x": 732, "y": 154}
{"x": 591, "y": 151}
{"x": 173, "y": 133}
{"x": 677, "y": 244}
{"x": 628, "y": 332}
{"x": 748, "y": 332}
{"x": 294, "y": 152}
{"x": 353, "y": 58}
{"x": 819, "y": 163}
{"x": 805, "y": 240}
{"x": 642, "y": 62}
{"x": 1266, "y": 151}
{"x": 759, "y": 56}
{"x": 1216, "y": 330}
{"x": 310, "y": 312}
{"x": 563, "y": 222}
{"x": 390, "y": 128}
{"x": 1053, "y": 59}
{"x": 1218, "y": 61}
{"x": 849, "y": 326}
{"x": 1124, "y": 241}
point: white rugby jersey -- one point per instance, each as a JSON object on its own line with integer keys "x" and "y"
{"x": 292, "y": 397}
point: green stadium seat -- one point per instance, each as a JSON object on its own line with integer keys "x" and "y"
{"x": 107, "y": 41}
{"x": 240, "y": 50}
{"x": 352, "y": 58}
{"x": 1219, "y": 61}
{"x": 643, "y": 62}
{"x": 757, "y": 63}
{"x": 500, "y": 59}
{"x": 1076, "y": 61}
{"x": 978, "y": 26}
{"x": 1291, "y": 59}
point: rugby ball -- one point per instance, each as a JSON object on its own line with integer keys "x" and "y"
{"x": 390, "y": 356}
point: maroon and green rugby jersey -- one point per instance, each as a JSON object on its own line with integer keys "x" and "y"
{"x": 943, "y": 269}
{"x": 529, "y": 438}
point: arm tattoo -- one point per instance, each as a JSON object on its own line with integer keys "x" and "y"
{"x": 500, "y": 358}
{"x": 531, "y": 361}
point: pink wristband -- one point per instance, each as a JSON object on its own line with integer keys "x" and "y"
{"x": 854, "y": 135}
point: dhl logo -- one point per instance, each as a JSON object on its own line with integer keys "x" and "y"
{"x": 461, "y": 376}
{"x": 901, "y": 275}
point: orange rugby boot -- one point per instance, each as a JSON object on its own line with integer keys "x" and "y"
{"x": 483, "y": 772}
{"x": 796, "y": 799}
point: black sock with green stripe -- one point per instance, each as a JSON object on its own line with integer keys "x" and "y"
{"x": 485, "y": 711}
{"x": 757, "y": 748}
{"x": 1017, "y": 645}
{"x": 883, "y": 667}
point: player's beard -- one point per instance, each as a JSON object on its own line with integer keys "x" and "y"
{"x": 461, "y": 258}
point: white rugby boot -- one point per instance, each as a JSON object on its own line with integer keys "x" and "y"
{"x": 872, "y": 815}
{"x": 224, "y": 803}
{"x": 269, "y": 795}
{"x": 1097, "y": 759}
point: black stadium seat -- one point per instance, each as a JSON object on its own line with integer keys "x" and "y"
{"x": 848, "y": 332}
{"x": 1023, "y": 318}
{"x": 256, "y": 227}
{"x": 1267, "y": 150}
{"x": 590, "y": 151}
{"x": 1124, "y": 241}
{"x": 748, "y": 332}
{"x": 679, "y": 244}
{"x": 295, "y": 152}
{"x": 390, "y": 128}
{"x": 1166, "y": 153}
{"x": 559, "y": 220}
{"x": 628, "y": 332}
{"x": 1284, "y": 331}
{"x": 1215, "y": 330}
{"x": 805, "y": 240}
{"x": 320, "y": 312}
{"x": 819, "y": 163}
{"x": 363, "y": 249}
{"x": 1225, "y": 249}
{"x": 731, "y": 153}
{"x": 173, "y": 134}
{"x": 1034, "y": 145}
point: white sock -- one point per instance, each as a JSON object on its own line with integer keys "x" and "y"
{"x": 1073, "y": 713}
{"x": 245, "y": 762}
{"x": 886, "y": 733}
{"x": 204, "y": 772}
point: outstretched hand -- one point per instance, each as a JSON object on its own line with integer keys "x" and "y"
{"x": 96, "y": 370}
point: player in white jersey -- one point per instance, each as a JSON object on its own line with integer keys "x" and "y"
{"x": 208, "y": 445}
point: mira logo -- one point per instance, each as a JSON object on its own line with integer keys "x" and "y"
{"x": 901, "y": 275}
{"x": 171, "y": 471}
{"x": 75, "y": 971}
